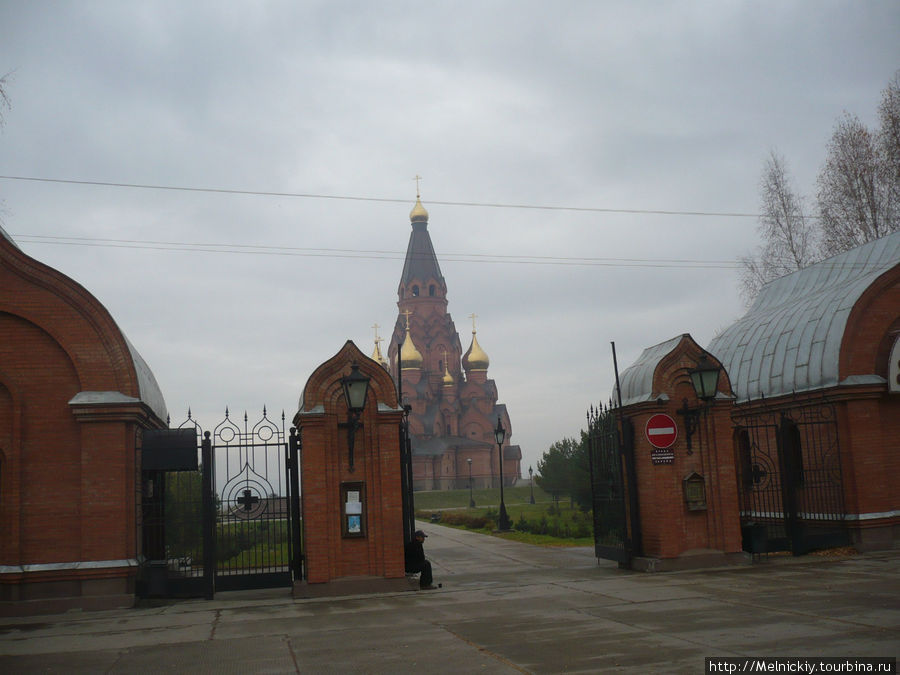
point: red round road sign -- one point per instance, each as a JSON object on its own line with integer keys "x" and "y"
{"x": 661, "y": 431}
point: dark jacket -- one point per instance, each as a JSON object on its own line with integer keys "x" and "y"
{"x": 414, "y": 556}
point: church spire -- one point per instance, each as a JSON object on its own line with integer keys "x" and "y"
{"x": 421, "y": 265}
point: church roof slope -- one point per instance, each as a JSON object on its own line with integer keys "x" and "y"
{"x": 790, "y": 339}
{"x": 421, "y": 262}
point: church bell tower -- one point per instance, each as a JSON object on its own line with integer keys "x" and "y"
{"x": 453, "y": 403}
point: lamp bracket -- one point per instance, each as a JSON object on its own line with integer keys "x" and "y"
{"x": 691, "y": 421}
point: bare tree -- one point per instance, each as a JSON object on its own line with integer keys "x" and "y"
{"x": 889, "y": 134}
{"x": 4, "y": 97}
{"x": 789, "y": 237}
{"x": 856, "y": 198}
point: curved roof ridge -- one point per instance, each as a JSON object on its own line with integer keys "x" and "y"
{"x": 790, "y": 338}
{"x": 637, "y": 379}
{"x": 5, "y": 235}
{"x": 149, "y": 391}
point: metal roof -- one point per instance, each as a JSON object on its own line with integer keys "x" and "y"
{"x": 421, "y": 262}
{"x": 637, "y": 379}
{"x": 6, "y": 236}
{"x": 150, "y": 392}
{"x": 790, "y": 339}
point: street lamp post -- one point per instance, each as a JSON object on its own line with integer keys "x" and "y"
{"x": 531, "y": 483}
{"x": 499, "y": 435}
{"x": 471, "y": 498}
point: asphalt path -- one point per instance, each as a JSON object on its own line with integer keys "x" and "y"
{"x": 504, "y": 607}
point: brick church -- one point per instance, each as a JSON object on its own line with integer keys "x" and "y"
{"x": 454, "y": 402}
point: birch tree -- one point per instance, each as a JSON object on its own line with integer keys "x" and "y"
{"x": 789, "y": 238}
{"x": 857, "y": 193}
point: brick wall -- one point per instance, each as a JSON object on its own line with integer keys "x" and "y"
{"x": 67, "y": 489}
{"x": 325, "y": 466}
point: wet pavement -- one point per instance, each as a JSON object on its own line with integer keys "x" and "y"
{"x": 504, "y": 607}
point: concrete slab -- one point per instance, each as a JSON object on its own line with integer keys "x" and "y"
{"x": 504, "y": 608}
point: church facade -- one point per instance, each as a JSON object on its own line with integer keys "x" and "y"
{"x": 454, "y": 407}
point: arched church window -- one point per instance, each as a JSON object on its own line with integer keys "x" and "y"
{"x": 431, "y": 290}
{"x": 415, "y": 290}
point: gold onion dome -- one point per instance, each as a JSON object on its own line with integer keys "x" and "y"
{"x": 410, "y": 357}
{"x": 377, "y": 356}
{"x": 448, "y": 378}
{"x": 418, "y": 213}
{"x": 476, "y": 358}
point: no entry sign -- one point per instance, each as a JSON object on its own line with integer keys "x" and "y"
{"x": 661, "y": 431}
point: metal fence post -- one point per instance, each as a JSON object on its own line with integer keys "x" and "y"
{"x": 209, "y": 518}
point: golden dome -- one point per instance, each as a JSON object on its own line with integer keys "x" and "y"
{"x": 476, "y": 358}
{"x": 377, "y": 356}
{"x": 418, "y": 213}
{"x": 448, "y": 378}
{"x": 410, "y": 357}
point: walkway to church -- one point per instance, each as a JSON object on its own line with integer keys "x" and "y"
{"x": 504, "y": 608}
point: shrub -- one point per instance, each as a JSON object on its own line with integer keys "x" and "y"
{"x": 461, "y": 518}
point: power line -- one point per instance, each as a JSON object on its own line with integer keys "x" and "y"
{"x": 375, "y": 254}
{"x": 253, "y": 249}
{"x": 308, "y": 195}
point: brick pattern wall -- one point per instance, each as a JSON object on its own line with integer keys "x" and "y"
{"x": 67, "y": 485}
{"x": 325, "y": 466}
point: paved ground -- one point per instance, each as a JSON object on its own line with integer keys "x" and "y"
{"x": 504, "y": 608}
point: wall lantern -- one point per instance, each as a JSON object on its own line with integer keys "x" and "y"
{"x": 704, "y": 379}
{"x": 355, "y": 386}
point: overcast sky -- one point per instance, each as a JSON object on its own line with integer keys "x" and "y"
{"x": 649, "y": 106}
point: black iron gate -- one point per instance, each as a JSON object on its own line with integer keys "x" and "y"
{"x": 253, "y": 539}
{"x": 232, "y": 524}
{"x": 789, "y": 478}
{"x": 611, "y": 461}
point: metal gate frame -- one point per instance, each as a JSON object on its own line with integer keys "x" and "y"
{"x": 253, "y": 510}
{"x": 617, "y": 534}
{"x": 790, "y": 482}
{"x": 233, "y": 524}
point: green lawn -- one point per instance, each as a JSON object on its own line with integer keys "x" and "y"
{"x": 452, "y": 499}
{"x": 545, "y": 522}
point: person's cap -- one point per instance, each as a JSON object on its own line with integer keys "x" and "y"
{"x": 419, "y": 533}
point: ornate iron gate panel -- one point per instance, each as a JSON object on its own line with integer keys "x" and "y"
{"x": 253, "y": 533}
{"x": 789, "y": 478}
{"x": 609, "y": 454}
{"x": 232, "y": 524}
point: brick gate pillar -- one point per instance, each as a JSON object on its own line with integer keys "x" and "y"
{"x": 688, "y": 495}
{"x": 352, "y": 513}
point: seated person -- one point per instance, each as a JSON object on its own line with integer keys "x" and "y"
{"x": 414, "y": 556}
